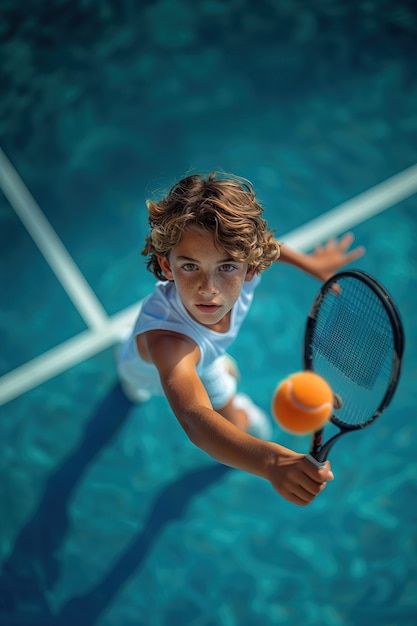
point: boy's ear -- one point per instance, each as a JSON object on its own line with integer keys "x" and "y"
{"x": 250, "y": 273}
{"x": 165, "y": 267}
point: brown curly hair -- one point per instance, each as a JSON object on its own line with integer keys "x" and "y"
{"x": 222, "y": 204}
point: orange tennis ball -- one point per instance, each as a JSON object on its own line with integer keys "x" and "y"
{"x": 302, "y": 403}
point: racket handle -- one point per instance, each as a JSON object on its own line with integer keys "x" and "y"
{"x": 314, "y": 461}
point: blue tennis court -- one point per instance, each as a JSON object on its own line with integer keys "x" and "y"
{"x": 109, "y": 515}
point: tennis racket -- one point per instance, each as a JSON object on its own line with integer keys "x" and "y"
{"x": 354, "y": 339}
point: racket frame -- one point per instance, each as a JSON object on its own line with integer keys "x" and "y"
{"x": 319, "y": 450}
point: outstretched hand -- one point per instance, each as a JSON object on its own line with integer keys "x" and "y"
{"x": 328, "y": 259}
{"x": 297, "y": 480}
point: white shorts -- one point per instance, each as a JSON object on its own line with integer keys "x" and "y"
{"x": 220, "y": 384}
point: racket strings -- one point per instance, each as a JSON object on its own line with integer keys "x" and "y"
{"x": 352, "y": 347}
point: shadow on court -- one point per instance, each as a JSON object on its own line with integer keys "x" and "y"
{"x": 33, "y": 567}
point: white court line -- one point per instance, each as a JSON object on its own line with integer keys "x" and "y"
{"x": 51, "y": 246}
{"x": 354, "y": 211}
{"x": 91, "y": 342}
{"x": 64, "y": 356}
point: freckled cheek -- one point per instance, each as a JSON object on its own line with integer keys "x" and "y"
{"x": 232, "y": 288}
{"x": 187, "y": 286}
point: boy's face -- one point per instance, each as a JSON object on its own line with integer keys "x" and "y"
{"x": 208, "y": 281}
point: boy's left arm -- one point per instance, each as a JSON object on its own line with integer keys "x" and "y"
{"x": 326, "y": 260}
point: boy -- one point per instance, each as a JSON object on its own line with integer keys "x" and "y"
{"x": 208, "y": 245}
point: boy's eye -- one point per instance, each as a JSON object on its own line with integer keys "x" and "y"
{"x": 189, "y": 267}
{"x": 227, "y": 267}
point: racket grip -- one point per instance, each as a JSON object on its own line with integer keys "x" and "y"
{"x": 314, "y": 461}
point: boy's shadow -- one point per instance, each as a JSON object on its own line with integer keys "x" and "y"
{"x": 33, "y": 566}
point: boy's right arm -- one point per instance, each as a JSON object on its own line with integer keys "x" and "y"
{"x": 291, "y": 474}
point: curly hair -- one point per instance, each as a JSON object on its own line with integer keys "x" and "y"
{"x": 224, "y": 205}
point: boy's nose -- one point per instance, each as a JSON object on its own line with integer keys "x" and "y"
{"x": 208, "y": 286}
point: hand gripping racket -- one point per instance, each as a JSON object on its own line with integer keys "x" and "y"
{"x": 354, "y": 339}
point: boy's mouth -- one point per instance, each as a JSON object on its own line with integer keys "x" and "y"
{"x": 207, "y": 308}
